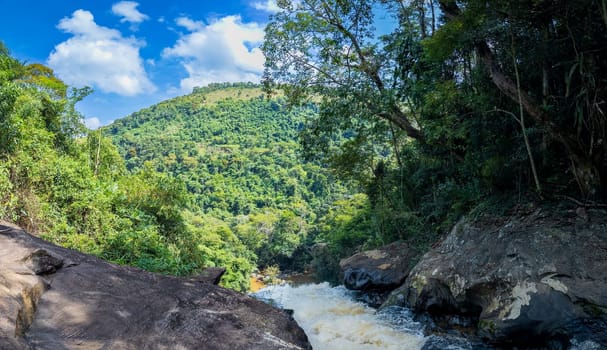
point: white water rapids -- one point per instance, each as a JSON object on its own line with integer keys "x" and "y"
{"x": 333, "y": 320}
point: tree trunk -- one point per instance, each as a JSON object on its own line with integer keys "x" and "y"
{"x": 422, "y": 17}
{"x": 585, "y": 170}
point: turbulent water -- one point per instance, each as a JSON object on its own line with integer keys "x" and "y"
{"x": 333, "y": 320}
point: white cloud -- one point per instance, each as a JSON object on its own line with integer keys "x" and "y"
{"x": 190, "y": 24}
{"x": 92, "y": 123}
{"x": 226, "y": 50}
{"x": 99, "y": 57}
{"x": 267, "y": 6}
{"x": 128, "y": 11}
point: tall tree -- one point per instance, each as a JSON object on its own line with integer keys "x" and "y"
{"x": 329, "y": 48}
{"x": 545, "y": 61}
{"x": 565, "y": 44}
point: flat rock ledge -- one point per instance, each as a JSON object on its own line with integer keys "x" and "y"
{"x": 537, "y": 280}
{"x": 56, "y": 298}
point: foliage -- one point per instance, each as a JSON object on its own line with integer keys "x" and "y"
{"x": 209, "y": 179}
{"x": 328, "y": 48}
{"x": 237, "y": 154}
{"x": 462, "y": 103}
{"x": 467, "y": 104}
{"x": 556, "y": 53}
{"x": 71, "y": 185}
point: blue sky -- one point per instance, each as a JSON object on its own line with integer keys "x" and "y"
{"x": 137, "y": 53}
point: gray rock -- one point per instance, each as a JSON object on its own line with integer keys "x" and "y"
{"x": 92, "y": 304}
{"x": 380, "y": 269}
{"x": 210, "y": 275}
{"x": 533, "y": 279}
{"x": 42, "y": 262}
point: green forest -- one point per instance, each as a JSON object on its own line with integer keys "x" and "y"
{"x": 214, "y": 178}
{"x": 236, "y": 152}
{"x": 472, "y": 104}
{"x": 353, "y": 140}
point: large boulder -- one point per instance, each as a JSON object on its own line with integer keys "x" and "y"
{"x": 55, "y": 298}
{"x": 379, "y": 269}
{"x": 538, "y": 279}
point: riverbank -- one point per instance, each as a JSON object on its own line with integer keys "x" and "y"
{"x": 536, "y": 278}
{"x": 260, "y": 281}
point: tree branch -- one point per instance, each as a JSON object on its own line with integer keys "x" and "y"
{"x": 395, "y": 114}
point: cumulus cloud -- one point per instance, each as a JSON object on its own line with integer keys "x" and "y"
{"x": 190, "y": 24}
{"x": 100, "y": 57}
{"x": 128, "y": 11}
{"x": 92, "y": 123}
{"x": 226, "y": 50}
{"x": 267, "y": 6}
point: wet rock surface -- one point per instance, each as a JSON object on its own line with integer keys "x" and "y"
{"x": 533, "y": 280}
{"x": 381, "y": 269}
{"x": 55, "y": 298}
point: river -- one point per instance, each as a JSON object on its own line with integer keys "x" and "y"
{"x": 334, "y": 320}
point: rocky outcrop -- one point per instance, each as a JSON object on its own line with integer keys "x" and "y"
{"x": 55, "y": 298}
{"x": 380, "y": 269}
{"x": 533, "y": 280}
{"x": 210, "y": 275}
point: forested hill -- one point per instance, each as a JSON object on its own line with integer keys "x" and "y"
{"x": 236, "y": 151}
{"x": 239, "y": 156}
{"x": 210, "y": 179}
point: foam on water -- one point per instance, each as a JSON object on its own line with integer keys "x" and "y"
{"x": 333, "y": 320}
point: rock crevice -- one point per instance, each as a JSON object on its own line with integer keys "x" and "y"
{"x": 29, "y": 303}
